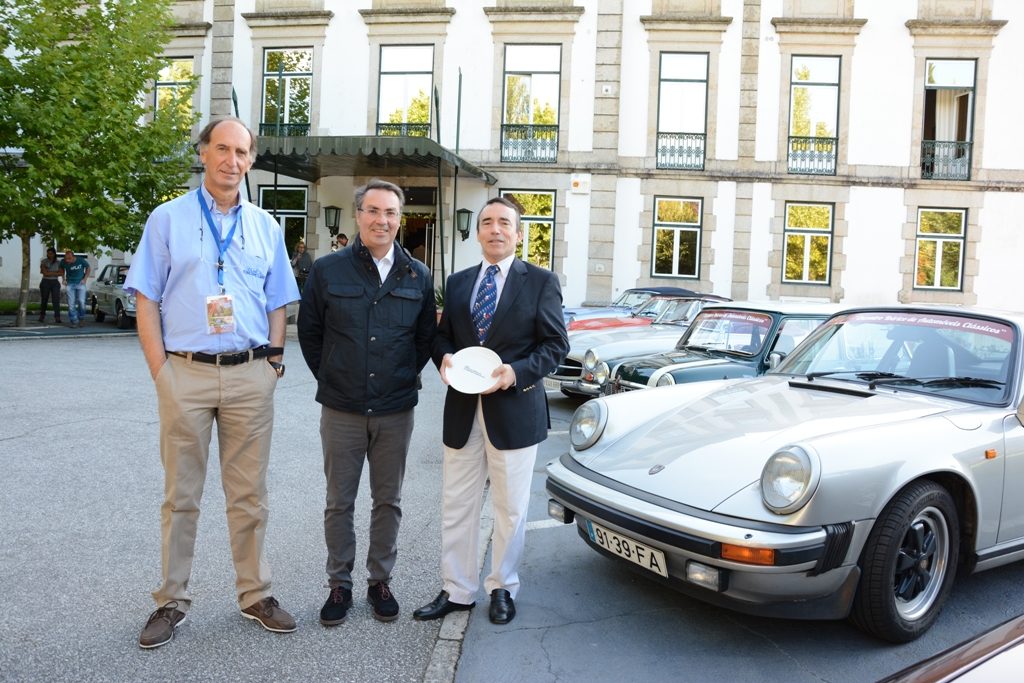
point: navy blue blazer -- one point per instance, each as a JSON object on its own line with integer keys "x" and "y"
{"x": 527, "y": 332}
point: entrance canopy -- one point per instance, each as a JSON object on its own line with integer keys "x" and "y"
{"x": 312, "y": 158}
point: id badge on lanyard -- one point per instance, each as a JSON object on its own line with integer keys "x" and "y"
{"x": 220, "y": 313}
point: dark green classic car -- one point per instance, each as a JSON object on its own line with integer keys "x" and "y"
{"x": 724, "y": 341}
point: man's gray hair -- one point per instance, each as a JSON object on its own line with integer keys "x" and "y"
{"x": 378, "y": 184}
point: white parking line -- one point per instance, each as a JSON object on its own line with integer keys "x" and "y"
{"x": 543, "y": 524}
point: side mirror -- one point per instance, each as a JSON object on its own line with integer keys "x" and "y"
{"x": 774, "y": 358}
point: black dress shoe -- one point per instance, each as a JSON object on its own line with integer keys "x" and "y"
{"x": 440, "y": 607}
{"x": 503, "y": 608}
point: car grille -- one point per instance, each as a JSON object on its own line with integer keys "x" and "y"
{"x": 568, "y": 370}
{"x": 837, "y": 544}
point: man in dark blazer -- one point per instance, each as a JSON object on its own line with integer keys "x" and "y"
{"x": 514, "y": 309}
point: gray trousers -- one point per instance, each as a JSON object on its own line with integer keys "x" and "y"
{"x": 383, "y": 441}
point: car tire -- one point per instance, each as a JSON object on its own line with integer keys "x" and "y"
{"x": 908, "y": 564}
{"x": 123, "y": 321}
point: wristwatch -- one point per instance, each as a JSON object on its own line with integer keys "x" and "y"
{"x": 278, "y": 367}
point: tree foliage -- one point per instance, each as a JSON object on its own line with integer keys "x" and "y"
{"x": 83, "y": 158}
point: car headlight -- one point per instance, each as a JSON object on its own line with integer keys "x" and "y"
{"x": 665, "y": 380}
{"x": 587, "y": 424}
{"x": 601, "y": 373}
{"x": 789, "y": 479}
{"x": 590, "y": 360}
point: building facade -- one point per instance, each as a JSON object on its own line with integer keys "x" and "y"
{"x": 853, "y": 151}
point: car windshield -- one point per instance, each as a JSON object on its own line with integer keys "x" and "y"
{"x": 632, "y": 298}
{"x": 960, "y": 357}
{"x": 728, "y": 330}
{"x": 678, "y": 311}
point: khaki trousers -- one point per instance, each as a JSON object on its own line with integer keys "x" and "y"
{"x": 465, "y": 472}
{"x": 240, "y": 398}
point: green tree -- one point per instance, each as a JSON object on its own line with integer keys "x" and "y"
{"x": 417, "y": 111}
{"x": 83, "y": 159}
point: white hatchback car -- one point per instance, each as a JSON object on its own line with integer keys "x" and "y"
{"x": 884, "y": 453}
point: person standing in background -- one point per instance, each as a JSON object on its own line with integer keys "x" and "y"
{"x": 302, "y": 263}
{"x": 49, "y": 285}
{"x": 76, "y": 272}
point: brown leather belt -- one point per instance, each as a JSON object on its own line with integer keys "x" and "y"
{"x": 236, "y": 358}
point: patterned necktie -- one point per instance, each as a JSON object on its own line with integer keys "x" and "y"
{"x": 486, "y": 300}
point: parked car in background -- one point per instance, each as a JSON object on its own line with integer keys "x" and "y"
{"x": 661, "y": 307}
{"x": 574, "y": 381}
{"x": 629, "y": 301}
{"x": 723, "y": 342}
{"x": 882, "y": 455}
{"x": 995, "y": 655}
{"x": 106, "y": 296}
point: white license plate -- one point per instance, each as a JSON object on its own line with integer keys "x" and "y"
{"x": 647, "y": 557}
{"x": 552, "y": 384}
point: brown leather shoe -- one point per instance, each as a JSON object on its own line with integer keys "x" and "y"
{"x": 159, "y": 628}
{"x": 270, "y": 616}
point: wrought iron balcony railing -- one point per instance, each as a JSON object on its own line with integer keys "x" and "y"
{"x": 946, "y": 160}
{"x": 813, "y": 156}
{"x": 284, "y": 129}
{"x": 416, "y": 130}
{"x": 681, "y": 150}
{"x": 529, "y": 143}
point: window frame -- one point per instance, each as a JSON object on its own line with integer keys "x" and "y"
{"x": 940, "y": 239}
{"x": 272, "y": 128}
{"x": 827, "y": 166}
{"x": 173, "y": 86}
{"x": 945, "y": 152}
{"x": 687, "y": 149}
{"x": 381, "y": 73}
{"x": 534, "y": 153}
{"x": 525, "y": 220}
{"x": 808, "y": 234}
{"x": 282, "y": 215}
{"x": 677, "y": 228}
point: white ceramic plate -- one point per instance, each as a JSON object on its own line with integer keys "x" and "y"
{"x": 471, "y": 369}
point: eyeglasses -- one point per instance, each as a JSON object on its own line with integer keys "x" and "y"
{"x": 389, "y": 214}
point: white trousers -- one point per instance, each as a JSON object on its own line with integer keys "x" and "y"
{"x": 466, "y": 471}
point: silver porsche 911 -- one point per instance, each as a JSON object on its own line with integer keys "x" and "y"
{"x": 884, "y": 453}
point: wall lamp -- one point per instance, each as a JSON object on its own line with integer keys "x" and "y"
{"x": 332, "y": 217}
{"x": 463, "y": 218}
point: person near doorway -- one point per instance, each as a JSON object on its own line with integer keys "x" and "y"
{"x": 302, "y": 262}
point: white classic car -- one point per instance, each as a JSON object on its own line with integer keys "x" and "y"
{"x": 883, "y": 454}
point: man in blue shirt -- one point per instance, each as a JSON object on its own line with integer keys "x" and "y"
{"x": 76, "y": 272}
{"x": 212, "y": 279}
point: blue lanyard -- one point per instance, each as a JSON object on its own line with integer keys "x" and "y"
{"x": 222, "y": 246}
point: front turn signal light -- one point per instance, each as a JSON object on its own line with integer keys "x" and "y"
{"x": 740, "y": 553}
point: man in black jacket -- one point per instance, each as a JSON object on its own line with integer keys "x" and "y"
{"x": 366, "y": 325}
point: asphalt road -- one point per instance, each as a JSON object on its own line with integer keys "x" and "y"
{"x": 79, "y": 553}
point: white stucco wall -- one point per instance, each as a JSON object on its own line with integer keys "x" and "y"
{"x": 768, "y": 74}
{"x": 874, "y": 245}
{"x": 882, "y": 90}
{"x": 577, "y": 239}
{"x": 468, "y": 46}
{"x": 762, "y": 212}
{"x": 581, "y": 85}
{"x": 728, "y": 111}
{"x": 1000, "y": 251}
{"x": 634, "y": 95}
{"x": 722, "y": 240}
{"x": 1004, "y": 145}
{"x": 629, "y": 203}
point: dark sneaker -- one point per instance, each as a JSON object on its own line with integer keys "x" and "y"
{"x": 385, "y": 607}
{"x": 334, "y": 610}
{"x": 270, "y": 616}
{"x": 159, "y": 628}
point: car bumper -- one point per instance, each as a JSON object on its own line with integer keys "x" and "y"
{"x": 813, "y": 576}
{"x": 580, "y": 387}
